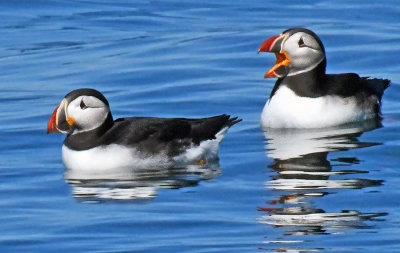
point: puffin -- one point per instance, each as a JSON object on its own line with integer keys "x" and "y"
{"x": 304, "y": 96}
{"x": 97, "y": 143}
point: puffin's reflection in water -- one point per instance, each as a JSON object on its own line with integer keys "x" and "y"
{"x": 304, "y": 173}
{"x": 137, "y": 183}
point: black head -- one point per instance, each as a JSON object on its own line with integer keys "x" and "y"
{"x": 80, "y": 111}
{"x": 298, "y": 50}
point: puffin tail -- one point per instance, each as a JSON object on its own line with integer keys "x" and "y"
{"x": 224, "y": 128}
{"x": 213, "y": 127}
{"x": 385, "y": 83}
{"x": 232, "y": 121}
{"x": 378, "y": 86}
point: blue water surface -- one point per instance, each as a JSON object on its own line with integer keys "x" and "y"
{"x": 327, "y": 190}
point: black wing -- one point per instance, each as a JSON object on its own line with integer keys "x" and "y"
{"x": 154, "y": 135}
{"x": 351, "y": 84}
{"x": 137, "y": 129}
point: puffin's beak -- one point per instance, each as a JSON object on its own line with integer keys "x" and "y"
{"x": 59, "y": 121}
{"x": 52, "y": 124}
{"x": 274, "y": 44}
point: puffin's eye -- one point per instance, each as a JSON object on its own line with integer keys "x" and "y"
{"x": 301, "y": 42}
{"x": 83, "y": 105}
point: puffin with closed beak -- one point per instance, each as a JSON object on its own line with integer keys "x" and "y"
{"x": 95, "y": 142}
{"x": 304, "y": 96}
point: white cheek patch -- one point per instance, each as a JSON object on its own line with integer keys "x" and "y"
{"x": 302, "y": 63}
{"x": 90, "y": 117}
{"x": 305, "y": 58}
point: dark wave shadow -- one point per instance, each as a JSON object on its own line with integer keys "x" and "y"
{"x": 137, "y": 184}
{"x": 304, "y": 174}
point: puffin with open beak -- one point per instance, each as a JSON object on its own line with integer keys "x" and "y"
{"x": 96, "y": 143}
{"x": 304, "y": 96}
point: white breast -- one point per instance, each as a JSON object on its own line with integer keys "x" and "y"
{"x": 121, "y": 159}
{"x": 110, "y": 158}
{"x": 287, "y": 110}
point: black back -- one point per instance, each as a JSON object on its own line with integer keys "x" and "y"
{"x": 315, "y": 83}
{"x": 152, "y": 135}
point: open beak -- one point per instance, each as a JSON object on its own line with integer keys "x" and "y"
{"x": 59, "y": 121}
{"x": 274, "y": 44}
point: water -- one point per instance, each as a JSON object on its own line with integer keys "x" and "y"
{"x": 333, "y": 190}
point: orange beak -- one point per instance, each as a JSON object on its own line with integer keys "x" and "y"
{"x": 52, "y": 124}
{"x": 274, "y": 44}
{"x": 59, "y": 121}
